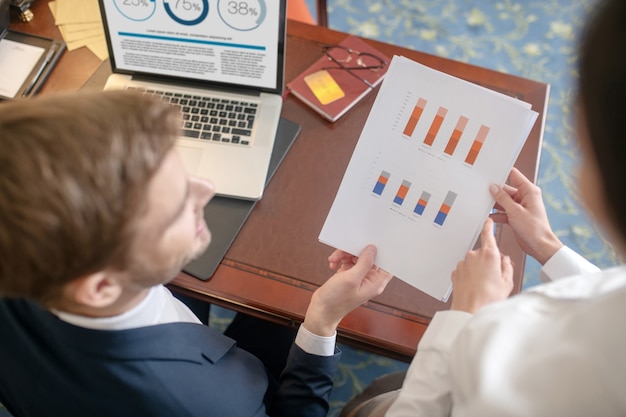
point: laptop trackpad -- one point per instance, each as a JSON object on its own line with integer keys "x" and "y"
{"x": 191, "y": 157}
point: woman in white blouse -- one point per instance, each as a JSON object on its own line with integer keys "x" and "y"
{"x": 558, "y": 349}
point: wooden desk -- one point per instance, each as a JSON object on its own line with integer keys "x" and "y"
{"x": 276, "y": 261}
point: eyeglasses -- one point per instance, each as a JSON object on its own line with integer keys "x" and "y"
{"x": 351, "y": 60}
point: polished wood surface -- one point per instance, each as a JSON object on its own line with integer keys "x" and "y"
{"x": 322, "y": 13}
{"x": 276, "y": 261}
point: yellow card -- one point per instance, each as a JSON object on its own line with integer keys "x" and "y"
{"x": 324, "y": 86}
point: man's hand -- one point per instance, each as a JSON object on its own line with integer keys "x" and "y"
{"x": 484, "y": 276}
{"x": 525, "y": 213}
{"x": 356, "y": 281}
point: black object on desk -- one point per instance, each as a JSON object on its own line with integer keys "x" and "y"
{"x": 5, "y": 16}
{"x": 225, "y": 216}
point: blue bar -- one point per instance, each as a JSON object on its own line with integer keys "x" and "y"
{"x": 378, "y": 188}
{"x": 419, "y": 209}
{"x": 441, "y": 217}
{"x": 398, "y": 200}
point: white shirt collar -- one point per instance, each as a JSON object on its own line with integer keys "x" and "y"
{"x": 158, "y": 307}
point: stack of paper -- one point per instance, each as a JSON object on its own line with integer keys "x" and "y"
{"x": 80, "y": 24}
{"x": 417, "y": 185}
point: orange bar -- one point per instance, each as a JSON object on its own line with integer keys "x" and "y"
{"x": 482, "y": 133}
{"x": 477, "y": 145}
{"x": 445, "y": 209}
{"x": 415, "y": 117}
{"x": 471, "y": 156}
{"x": 402, "y": 191}
{"x": 434, "y": 127}
{"x": 454, "y": 140}
{"x": 383, "y": 180}
{"x": 456, "y": 135}
{"x": 422, "y": 202}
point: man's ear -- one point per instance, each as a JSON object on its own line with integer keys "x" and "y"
{"x": 97, "y": 290}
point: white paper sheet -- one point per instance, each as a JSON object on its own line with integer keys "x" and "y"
{"x": 17, "y": 60}
{"x": 421, "y": 202}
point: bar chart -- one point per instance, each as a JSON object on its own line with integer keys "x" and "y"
{"x": 419, "y": 199}
{"x": 416, "y": 114}
{"x": 435, "y": 133}
{"x": 402, "y": 191}
{"x": 383, "y": 178}
{"x": 422, "y": 203}
{"x": 444, "y": 210}
{"x": 477, "y": 145}
{"x": 456, "y": 135}
{"x": 435, "y": 126}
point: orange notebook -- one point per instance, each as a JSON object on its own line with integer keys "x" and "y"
{"x": 331, "y": 90}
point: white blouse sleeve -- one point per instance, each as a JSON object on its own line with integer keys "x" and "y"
{"x": 427, "y": 390}
{"x": 564, "y": 263}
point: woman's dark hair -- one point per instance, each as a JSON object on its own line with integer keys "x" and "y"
{"x": 602, "y": 90}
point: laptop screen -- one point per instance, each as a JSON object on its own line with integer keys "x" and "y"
{"x": 234, "y": 43}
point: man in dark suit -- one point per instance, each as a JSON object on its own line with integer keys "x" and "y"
{"x": 97, "y": 214}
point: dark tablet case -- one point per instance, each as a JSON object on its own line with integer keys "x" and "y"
{"x": 225, "y": 216}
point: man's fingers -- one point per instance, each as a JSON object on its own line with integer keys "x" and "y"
{"x": 336, "y": 256}
{"x": 365, "y": 262}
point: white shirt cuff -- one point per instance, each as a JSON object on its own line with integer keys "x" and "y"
{"x": 564, "y": 263}
{"x": 314, "y": 344}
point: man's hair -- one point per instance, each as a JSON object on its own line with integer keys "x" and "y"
{"x": 74, "y": 174}
{"x": 603, "y": 97}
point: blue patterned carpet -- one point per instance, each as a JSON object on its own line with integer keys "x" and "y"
{"x": 531, "y": 38}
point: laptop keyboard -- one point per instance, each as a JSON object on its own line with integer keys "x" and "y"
{"x": 210, "y": 118}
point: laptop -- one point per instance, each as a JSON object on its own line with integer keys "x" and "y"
{"x": 222, "y": 63}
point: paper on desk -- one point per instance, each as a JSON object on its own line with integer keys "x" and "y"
{"x": 73, "y": 44}
{"x": 17, "y": 60}
{"x": 71, "y": 28}
{"x": 417, "y": 183}
{"x": 78, "y": 32}
{"x": 71, "y": 36}
{"x": 77, "y": 11}
{"x": 99, "y": 48}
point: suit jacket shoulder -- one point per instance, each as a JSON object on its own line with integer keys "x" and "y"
{"x": 176, "y": 369}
